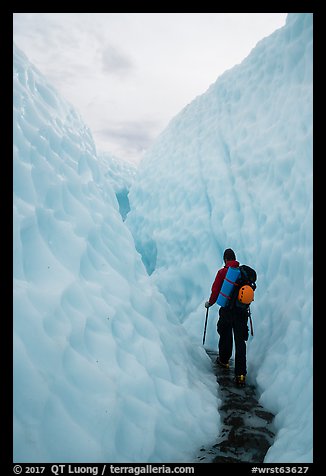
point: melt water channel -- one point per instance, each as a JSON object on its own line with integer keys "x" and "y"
{"x": 247, "y": 428}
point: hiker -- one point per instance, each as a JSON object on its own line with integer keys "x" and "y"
{"x": 232, "y": 322}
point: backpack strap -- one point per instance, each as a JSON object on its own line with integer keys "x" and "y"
{"x": 251, "y": 327}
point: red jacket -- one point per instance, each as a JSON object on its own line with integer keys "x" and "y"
{"x": 219, "y": 280}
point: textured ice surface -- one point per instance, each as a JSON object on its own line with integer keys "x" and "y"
{"x": 234, "y": 169}
{"x": 103, "y": 370}
{"x": 120, "y": 174}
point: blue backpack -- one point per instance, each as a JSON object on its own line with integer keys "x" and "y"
{"x": 238, "y": 288}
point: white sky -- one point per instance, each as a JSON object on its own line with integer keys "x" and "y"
{"x": 129, "y": 74}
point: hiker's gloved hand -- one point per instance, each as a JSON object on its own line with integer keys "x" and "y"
{"x": 207, "y": 305}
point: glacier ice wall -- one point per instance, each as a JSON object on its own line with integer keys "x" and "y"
{"x": 120, "y": 174}
{"x": 103, "y": 371}
{"x": 234, "y": 169}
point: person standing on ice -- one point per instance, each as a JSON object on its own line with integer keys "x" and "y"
{"x": 232, "y": 322}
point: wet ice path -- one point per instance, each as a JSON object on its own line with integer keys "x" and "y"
{"x": 247, "y": 428}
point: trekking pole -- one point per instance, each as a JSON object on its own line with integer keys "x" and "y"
{"x": 205, "y": 326}
{"x": 251, "y": 328}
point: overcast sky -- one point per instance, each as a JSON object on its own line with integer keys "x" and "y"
{"x": 129, "y": 74}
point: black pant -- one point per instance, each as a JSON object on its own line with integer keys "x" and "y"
{"x": 235, "y": 320}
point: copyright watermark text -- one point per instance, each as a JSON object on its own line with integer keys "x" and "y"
{"x": 102, "y": 470}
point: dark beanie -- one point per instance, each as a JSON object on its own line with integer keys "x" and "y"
{"x": 229, "y": 254}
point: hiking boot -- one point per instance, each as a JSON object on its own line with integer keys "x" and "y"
{"x": 222, "y": 365}
{"x": 240, "y": 380}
